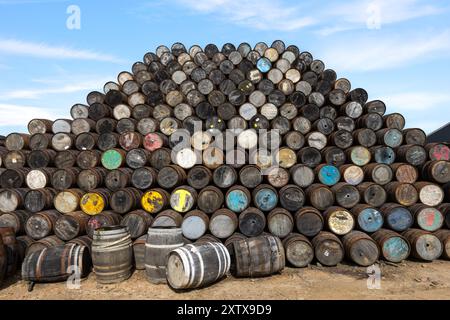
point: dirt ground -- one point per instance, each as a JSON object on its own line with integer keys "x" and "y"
{"x": 409, "y": 280}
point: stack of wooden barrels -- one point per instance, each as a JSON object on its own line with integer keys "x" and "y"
{"x": 226, "y": 144}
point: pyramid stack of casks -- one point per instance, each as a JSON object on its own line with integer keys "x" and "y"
{"x": 261, "y": 149}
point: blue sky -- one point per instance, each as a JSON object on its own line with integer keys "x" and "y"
{"x": 399, "y": 51}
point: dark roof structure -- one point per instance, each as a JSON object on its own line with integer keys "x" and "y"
{"x": 440, "y": 135}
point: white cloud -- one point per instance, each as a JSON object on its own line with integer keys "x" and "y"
{"x": 375, "y": 53}
{"x": 417, "y": 101}
{"x": 18, "y": 115}
{"x": 262, "y": 14}
{"x": 43, "y": 50}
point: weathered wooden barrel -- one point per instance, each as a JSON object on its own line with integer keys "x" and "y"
{"x": 63, "y": 179}
{"x": 438, "y": 151}
{"x": 223, "y": 223}
{"x": 39, "y": 126}
{"x": 118, "y": 179}
{"x": 367, "y": 218}
{"x": 372, "y": 194}
{"x": 160, "y": 158}
{"x": 104, "y": 219}
{"x": 96, "y": 201}
{"x": 112, "y": 254}
{"x": 256, "y": 257}
{"x": 334, "y": 156}
{"x": 57, "y": 263}
{"x": 12, "y": 199}
{"x": 41, "y": 158}
{"x": 396, "y": 216}
{"x": 41, "y": 224}
{"x": 405, "y": 173}
{"x": 358, "y": 155}
{"x": 280, "y": 222}
{"x": 328, "y": 249}
{"x": 39, "y": 199}
{"x": 23, "y": 242}
{"x": 40, "y": 141}
{"x": 204, "y": 238}
{"x": 327, "y": 174}
{"x": 309, "y": 156}
{"x": 444, "y": 236}
{"x": 160, "y": 242}
{"x": 17, "y": 141}
{"x": 402, "y": 193}
{"x": 225, "y": 176}
{"x": 234, "y": 237}
{"x": 352, "y": 174}
{"x": 346, "y": 195}
{"x": 429, "y": 193}
{"x": 320, "y": 196}
{"x": 39, "y": 178}
{"x": 85, "y": 241}
{"x": 197, "y": 265}
{"x": 183, "y": 198}
{"x": 360, "y": 248}
{"x": 445, "y": 210}
{"x": 71, "y": 225}
{"x": 137, "y": 222}
{"x": 338, "y": 220}
{"x": 125, "y": 200}
{"x": 66, "y": 159}
{"x": 144, "y": 178}
{"x": 171, "y": 176}
{"x": 199, "y": 177}
{"x": 250, "y": 176}
{"x": 137, "y": 158}
{"x": 393, "y": 246}
{"x": 252, "y": 222}
{"x": 265, "y": 197}
{"x": 379, "y": 173}
{"x": 210, "y": 199}
{"x": 436, "y": 171}
{"x": 427, "y": 218}
{"x": 13, "y": 178}
{"x": 301, "y": 175}
{"x": 424, "y": 245}
{"x": 415, "y": 136}
{"x": 195, "y": 224}
{"x": 16, "y": 220}
{"x": 91, "y": 179}
{"x": 41, "y": 244}
{"x": 413, "y": 154}
{"x": 113, "y": 158}
{"x": 390, "y": 137}
{"x": 238, "y": 198}
{"x": 292, "y": 197}
{"x": 15, "y": 159}
{"x": 3, "y": 261}
{"x": 88, "y": 159}
{"x": 277, "y": 177}
{"x": 168, "y": 218}
{"x": 68, "y": 201}
{"x": 308, "y": 221}
{"x": 139, "y": 252}
{"x": 299, "y": 251}
{"x": 12, "y": 249}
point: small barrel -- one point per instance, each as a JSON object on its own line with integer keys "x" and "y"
{"x": 113, "y": 159}
{"x": 41, "y": 244}
{"x": 125, "y": 200}
{"x": 436, "y": 171}
{"x": 234, "y": 237}
{"x": 13, "y": 178}
{"x": 413, "y": 154}
{"x": 12, "y": 199}
{"x": 328, "y": 249}
{"x": 39, "y": 200}
{"x": 225, "y": 176}
{"x": 160, "y": 242}
{"x": 154, "y": 141}
{"x": 63, "y": 179}
{"x": 359, "y": 155}
{"x": 86, "y": 141}
{"x": 402, "y": 193}
{"x": 238, "y": 198}
{"x": 91, "y": 179}
{"x": 342, "y": 139}
{"x": 88, "y": 159}
{"x": 171, "y": 176}
{"x": 160, "y": 158}
{"x": 66, "y": 159}
{"x": 334, "y": 156}
{"x": 320, "y": 196}
{"x": 168, "y": 218}
{"x": 390, "y": 137}
{"x": 396, "y": 217}
{"x": 444, "y": 236}
{"x": 372, "y": 194}
{"x": 365, "y": 137}
{"x": 210, "y": 199}
{"x": 360, "y": 248}
{"x": 429, "y": 193}
{"x": 104, "y": 219}
{"x": 427, "y": 218}
{"x": 95, "y": 202}
{"x": 137, "y": 222}
{"x": 299, "y": 251}
{"x": 393, "y": 246}
{"x": 56, "y": 263}
{"x": 183, "y": 198}
{"x": 15, "y": 220}
{"x": 308, "y": 221}
{"x": 327, "y": 174}
{"x": 41, "y": 224}
{"x": 223, "y": 223}
{"x": 292, "y": 197}
{"x": 71, "y": 225}
{"x": 199, "y": 177}
{"x": 17, "y": 141}
{"x": 197, "y": 265}
{"x": 367, "y": 218}
{"x": 118, "y": 179}
{"x": 346, "y": 195}
{"x": 107, "y": 140}
{"x": 352, "y": 174}
{"x": 424, "y": 245}
{"x": 40, "y": 126}
{"x": 14, "y": 159}
{"x": 41, "y": 158}
{"x": 40, "y": 141}
{"x": 405, "y": 173}
{"x": 252, "y": 222}
{"x": 62, "y": 141}
{"x": 338, "y": 220}
{"x": 195, "y": 224}
{"x": 309, "y": 156}
{"x": 112, "y": 254}
{"x": 85, "y": 241}
{"x": 257, "y": 257}
{"x": 139, "y": 252}
{"x": 438, "y": 151}
{"x": 265, "y": 197}
{"x": 39, "y": 178}
{"x": 143, "y": 178}
{"x": 130, "y": 140}
{"x": 68, "y": 201}
{"x": 371, "y": 121}
{"x": 137, "y": 158}
{"x": 280, "y": 222}
{"x": 379, "y": 173}
{"x": 302, "y": 175}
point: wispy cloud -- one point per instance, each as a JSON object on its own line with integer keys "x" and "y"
{"x": 41, "y": 92}
{"x": 18, "y": 115}
{"x": 416, "y": 101}
{"x": 43, "y": 50}
{"x": 376, "y": 53}
{"x": 262, "y": 14}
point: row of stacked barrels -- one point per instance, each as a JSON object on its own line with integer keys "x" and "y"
{"x": 343, "y": 164}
